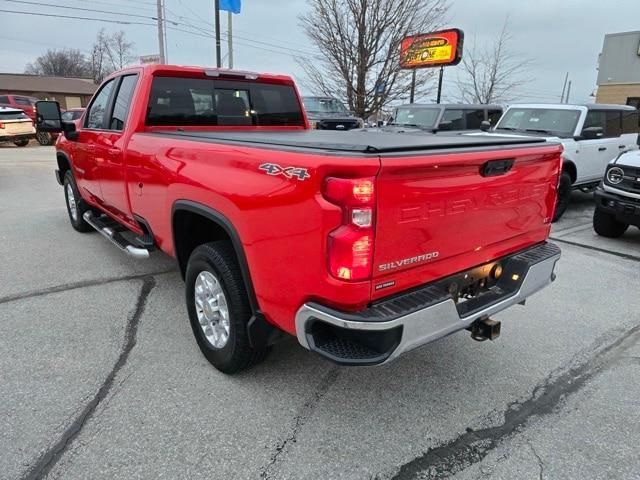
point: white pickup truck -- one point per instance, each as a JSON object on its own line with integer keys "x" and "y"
{"x": 592, "y": 136}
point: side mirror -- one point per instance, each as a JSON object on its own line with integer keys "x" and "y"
{"x": 48, "y": 117}
{"x": 446, "y": 125}
{"x": 485, "y": 125}
{"x": 592, "y": 133}
{"x": 69, "y": 129}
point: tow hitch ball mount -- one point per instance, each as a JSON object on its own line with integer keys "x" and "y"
{"x": 485, "y": 329}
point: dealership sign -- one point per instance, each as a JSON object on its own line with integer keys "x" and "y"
{"x": 434, "y": 49}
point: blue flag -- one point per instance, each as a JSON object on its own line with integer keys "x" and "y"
{"x": 232, "y": 6}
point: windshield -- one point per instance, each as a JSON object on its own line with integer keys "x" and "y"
{"x": 29, "y": 102}
{"x": 540, "y": 120}
{"x": 324, "y": 105}
{"x": 419, "y": 117}
{"x": 12, "y": 115}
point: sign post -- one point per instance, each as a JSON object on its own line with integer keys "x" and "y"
{"x": 428, "y": 50}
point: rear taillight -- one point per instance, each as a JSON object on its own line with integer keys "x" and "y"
{"x": 350, "y": 246}
{"x": 1, "y": 125}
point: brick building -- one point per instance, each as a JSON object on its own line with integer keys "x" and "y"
{"x": 69, "y": 92}
{"x": 619, "y": 69}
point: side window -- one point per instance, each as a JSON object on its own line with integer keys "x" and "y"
{"x": 4, "y": 99}
{"x": 614, "y": 123}
{"x": 474, "y": 118}
{"x": 98, "y": 109}
{"x": 634, "y": 102}
{"x": 493, "y": 116}
{"x": 22, "y": 101}
{"x": 630, "y": 122}
{"x": 595, "y": 118}
{"x": 456, "y": 117}
{"x": 123, "y": 102}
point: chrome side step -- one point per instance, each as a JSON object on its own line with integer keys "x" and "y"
{"x": 115, "y": 237}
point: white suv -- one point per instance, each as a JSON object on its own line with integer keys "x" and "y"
{"x": 592, "y": 136}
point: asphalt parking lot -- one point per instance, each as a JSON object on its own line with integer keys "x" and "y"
{"x": 100, "y": 376}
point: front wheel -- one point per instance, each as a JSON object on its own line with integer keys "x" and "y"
{"x": 43, "y": 138}
{"x": 564, "y": 195}
{"x": 75, "y": 205}
{"x": 21, "y": 143}
{"x": 606, "y": 225}
{"x": 219, "y": 309}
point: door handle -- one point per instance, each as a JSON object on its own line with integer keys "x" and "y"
{"x": 621, "y": 146}
{"x": 113, "y": 151}
{"x": 602, "y": 149}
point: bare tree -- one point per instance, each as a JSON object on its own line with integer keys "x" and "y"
{"x": 66, "y": 62}
{"x": 358, "y": 44}
{"x": 109, "y": 53}
{"x": 491, "y": 74}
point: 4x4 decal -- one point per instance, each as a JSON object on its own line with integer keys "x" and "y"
{"x": 289, "y": 172}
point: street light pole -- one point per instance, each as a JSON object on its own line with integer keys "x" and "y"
{"x": 230, "y": 37}
{"x": 217, "y": 19}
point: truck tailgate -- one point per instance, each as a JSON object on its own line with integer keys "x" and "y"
{"x": 446, "y": 212}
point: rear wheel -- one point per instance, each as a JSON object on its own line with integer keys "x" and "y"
{"x": 21, "y": 143}
{"x": 564, "y": 195}
{"x": 76, "y": 206}
{"x": 43, "y": 138}
{"x": 606, "y": 225}
{"x": 219, "y": 308}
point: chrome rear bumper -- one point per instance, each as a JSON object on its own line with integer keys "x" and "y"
{"x": 389, "y": 328}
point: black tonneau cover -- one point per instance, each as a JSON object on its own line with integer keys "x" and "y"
{"x": 351, "y": 141}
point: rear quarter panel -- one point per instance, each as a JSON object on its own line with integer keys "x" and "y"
{"x": 282, "y": 222}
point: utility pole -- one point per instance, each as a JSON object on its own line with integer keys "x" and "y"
{"x": 568, "y": 92}
{"x": 564, "y": 87}
{"x": 217, "y": 22}
{"x": 164, "y": 19}
{"x": 161, "y": 32}
{"x": 230, "y": 36}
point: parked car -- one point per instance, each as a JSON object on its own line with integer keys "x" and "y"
{"x": 416, "y": 118}
{"x": 326, "y": 113}
{"x": 592, "y": 135}
{"x": 72, "y": 114}
{"x": 21, "y": 102}
{"x": 355, "y": 242}
{"x": 618, "y": 196}
{"x": 16, "y": 127}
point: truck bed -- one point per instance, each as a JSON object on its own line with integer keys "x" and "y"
{"x": 352, "y": 142}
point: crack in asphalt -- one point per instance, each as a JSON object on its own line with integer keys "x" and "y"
{"x": 299, "y": 420}
{"x": 474, "y": 445}
{"x": 74, "y": 286}
{"x": 626, "y": 256}
{"x": 538, "y": 458}
{"x": 54, "y": 453}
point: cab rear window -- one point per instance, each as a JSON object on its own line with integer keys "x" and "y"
{"x": 206, "y": 102}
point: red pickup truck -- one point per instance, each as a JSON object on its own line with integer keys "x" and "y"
{"x": 364, "y": 245}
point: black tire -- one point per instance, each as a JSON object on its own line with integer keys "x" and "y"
{"x": 237, "y": 354}
{"x": 606, "y": 225}
{"x": 44, "y": 138}
{"x": 564, "y": 195}
{"x": 77, "y": 222}
{"x": 21, "y": 143}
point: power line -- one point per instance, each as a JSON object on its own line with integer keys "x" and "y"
{"x": 24, "y": 2}
{"x": 121, "y": 22}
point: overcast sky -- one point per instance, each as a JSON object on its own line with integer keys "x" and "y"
{"x": 558, "y": 35}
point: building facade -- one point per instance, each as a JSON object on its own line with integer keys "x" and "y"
{"x": 619, "y": 69}
{"x": 69, "y": 92}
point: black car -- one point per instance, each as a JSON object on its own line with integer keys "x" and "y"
{"x": 326, "y": 113}
{"x": 432, "y": 118}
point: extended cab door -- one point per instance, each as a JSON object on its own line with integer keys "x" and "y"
{"x": 85, "y": 163}
{"x": 109, "y": 151}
